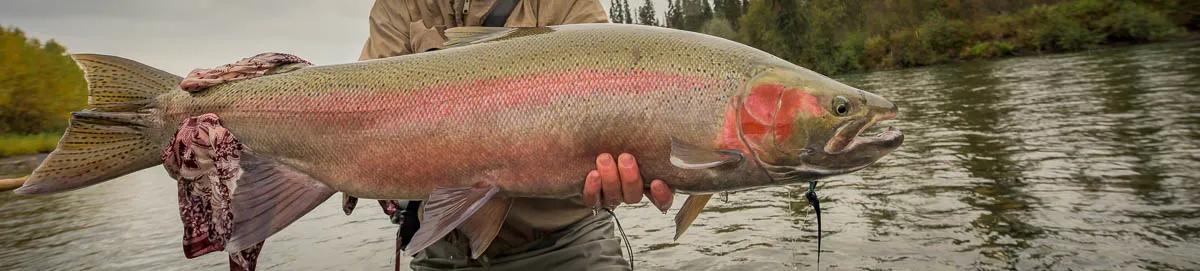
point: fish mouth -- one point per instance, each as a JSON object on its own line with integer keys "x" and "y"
{"x": 854, "y": 151}
{"x": 889, "y": 138}
{"x": 850, "y": 138}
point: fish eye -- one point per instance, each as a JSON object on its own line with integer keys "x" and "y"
{"x": 841, "y": 106}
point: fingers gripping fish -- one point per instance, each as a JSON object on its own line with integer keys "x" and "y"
{"x": 703, "y": 113}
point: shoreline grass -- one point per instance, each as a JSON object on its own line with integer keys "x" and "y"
{"x": 13, "y": 145}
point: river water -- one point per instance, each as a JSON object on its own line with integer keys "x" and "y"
{"x": 1075, "y": 161}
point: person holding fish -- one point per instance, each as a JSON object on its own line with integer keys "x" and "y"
{"x": 539, "y": 234}
{"x": 494, "y": 133}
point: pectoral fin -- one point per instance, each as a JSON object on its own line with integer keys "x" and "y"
{"x": 688, "y": 213}
{"x": 688, "y": 156}
{"x": 477, "y": 211}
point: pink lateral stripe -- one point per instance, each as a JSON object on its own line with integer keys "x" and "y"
{"x": 486, "y": 95}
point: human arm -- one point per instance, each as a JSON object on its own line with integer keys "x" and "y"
{"x": 404, "y": 27}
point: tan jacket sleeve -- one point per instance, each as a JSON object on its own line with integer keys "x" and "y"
{"x": 399, "y": 27}
{"x": 534, "y": 13}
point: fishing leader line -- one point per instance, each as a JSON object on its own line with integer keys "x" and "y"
{"x": 623, "y": 237}
{"x": 811, "y": 196}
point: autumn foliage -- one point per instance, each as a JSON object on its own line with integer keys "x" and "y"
{"x": 39, "y": 86}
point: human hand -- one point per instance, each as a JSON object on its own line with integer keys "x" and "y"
{"x": 613, "y": 182}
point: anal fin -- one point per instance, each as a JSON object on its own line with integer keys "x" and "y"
{"x": 476, "y": 210}
{"x": 688, "y": 213}
{"x": 269, "y": 197}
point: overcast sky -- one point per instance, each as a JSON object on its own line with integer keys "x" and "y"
{"x": 178, "y": 35}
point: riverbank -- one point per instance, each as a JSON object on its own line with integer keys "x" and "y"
{"x": 13, "y": 169}
{"x": 834, "y": 37}
{"x": 20, "y": 165}
{"x": 21, "y": 145}
{"x": 1069, "y": 26}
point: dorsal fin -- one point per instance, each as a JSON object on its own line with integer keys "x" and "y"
{"x": 463, "y": 36}
{"x": 119, "y": 84}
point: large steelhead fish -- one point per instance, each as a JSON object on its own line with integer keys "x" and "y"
{"x": 502, "y": 113}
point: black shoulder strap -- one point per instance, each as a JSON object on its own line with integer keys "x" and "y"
{"x": 499, "y": 14}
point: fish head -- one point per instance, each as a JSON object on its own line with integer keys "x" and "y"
{"x": 803, "y": 126}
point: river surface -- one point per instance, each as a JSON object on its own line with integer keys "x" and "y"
{"x": 1076, "y": 161}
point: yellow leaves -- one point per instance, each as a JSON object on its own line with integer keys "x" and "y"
{"x": 39, "y": 84}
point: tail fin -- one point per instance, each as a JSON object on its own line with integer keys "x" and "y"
{"x": 116, "y": 135}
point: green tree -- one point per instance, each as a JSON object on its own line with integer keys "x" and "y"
{"x": 730, "y": 10}
{"x": 626, "y": 11}
{"x": 646, "y": 14}
{"x": 674, "y": 14}
{"x": 719, "y": 27}
{"x": 39, "y": 84}
{"x": 771, "y": 25}
{"x": 688, "y": 15}
{"x": 615, "y": 12}
{"x": 696, "y": 13}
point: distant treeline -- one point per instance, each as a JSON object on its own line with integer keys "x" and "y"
{"x": 39, "y": 85}
{"x": 834, "y": 36}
